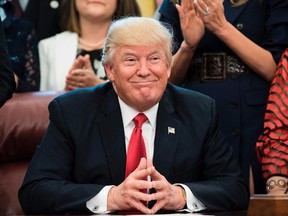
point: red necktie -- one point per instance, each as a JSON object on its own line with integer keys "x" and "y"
{"x": 136, "y": 148}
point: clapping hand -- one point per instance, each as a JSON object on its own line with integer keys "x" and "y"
{"x": 82, "y": 74}
{"x": 191, "y": 22}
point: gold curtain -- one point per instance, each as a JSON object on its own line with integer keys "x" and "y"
{"x": 147, "y": 7}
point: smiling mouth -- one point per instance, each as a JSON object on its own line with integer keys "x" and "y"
{"x": 146, "y": 83}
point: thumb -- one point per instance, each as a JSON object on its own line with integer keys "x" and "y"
{"x": 142, "y": 164}
{"x": 87, "y": 62}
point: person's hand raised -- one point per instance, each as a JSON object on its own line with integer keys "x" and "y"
{"x": 192, "y": 25}
{"x": 82, "y": 74}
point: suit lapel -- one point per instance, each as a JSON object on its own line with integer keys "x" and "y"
{"x": 112, "y": 132}
{"x": 231, "y": 13}
{"x": 168, "y": 130}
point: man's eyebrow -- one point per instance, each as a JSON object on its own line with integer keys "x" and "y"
{"x": 130, "y": 52}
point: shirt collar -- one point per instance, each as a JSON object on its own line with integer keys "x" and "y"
{"x": 128, "y": 113}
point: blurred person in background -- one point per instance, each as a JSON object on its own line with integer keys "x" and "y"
{"x": 22, "y": 48}
{"x": 229, "y": 50}
{"x": 45, "y": 16}
{"x": 7, "y": 81}
{"x": 72, "y": 59}
{"x": 20, "y": 7}
{"x": 272, "y": 145}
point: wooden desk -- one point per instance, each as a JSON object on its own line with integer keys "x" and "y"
{"x": 268, "y": 205}
{"x": 233, "y": 213}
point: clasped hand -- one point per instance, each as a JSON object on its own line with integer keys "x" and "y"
{"x": 128, "y": 194}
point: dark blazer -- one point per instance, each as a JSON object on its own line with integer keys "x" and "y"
{"x": 7, "y": 81}
{"x": 240, "y": 99}
{"x": 44, "y": 15}
{"x": 84, "y": 150}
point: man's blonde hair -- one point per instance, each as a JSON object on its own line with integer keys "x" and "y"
{"x": 137, "y": 31}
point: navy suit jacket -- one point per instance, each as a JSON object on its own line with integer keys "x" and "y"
{"x": 84, "y": 150}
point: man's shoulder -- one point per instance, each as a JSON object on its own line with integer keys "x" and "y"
{"x": 180, "y": 92}
{"x": 187, "y": 104}
{"x": 85, "y": 97}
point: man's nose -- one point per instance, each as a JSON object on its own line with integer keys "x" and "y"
{"x": 143, "y": 69}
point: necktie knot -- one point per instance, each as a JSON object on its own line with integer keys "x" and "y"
{"x": 139, "y": 120}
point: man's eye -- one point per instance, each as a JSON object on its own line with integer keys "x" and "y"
{"x": 155, "y": 59}
{"x": 130, "y": 61}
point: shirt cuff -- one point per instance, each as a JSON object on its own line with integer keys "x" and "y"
{"x": 98, "y": 203}
{"x": 192, "y": 203}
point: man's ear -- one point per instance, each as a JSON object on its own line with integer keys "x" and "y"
{"x": 109, "y": 72}
{"x": 169, "y": 71}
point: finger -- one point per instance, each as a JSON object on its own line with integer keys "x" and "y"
{"x": 71, "y": 87}
{"x": 142, "y": 164}
{"x": 150, "y": 167}
{"x": 149, "y": 163}
{"x": 70, "y": 80}
{"x": 180, "y": 12}
{"x": 200, "y": 10}
{"x": 78, "y": 72}
{"x": 201, "y": 7}
{"x": 77, "y": 64}
{"x": 156, "y": 176}
{"x": 185, "y": 8}
{"x": 186, "y": 5}
{"x": 77, "y": 85}
{"x": 141, "y": 207}
{"x": 75, "y": 81}
{"x": 74, "y": 78}
{"x": 67, "y": 88}
{"x": 140, "y": 170}
{"x": 139, "y": 201}
{"x": 87, "y": 62}
{"x": 160, "y": 204}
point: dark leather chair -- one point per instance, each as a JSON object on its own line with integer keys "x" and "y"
{"x": 23, "y": 121}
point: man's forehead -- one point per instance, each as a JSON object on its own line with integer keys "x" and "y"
{"x": 140, "y": 49}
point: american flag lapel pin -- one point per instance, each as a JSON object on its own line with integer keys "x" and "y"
{"x": 171, "y": 130}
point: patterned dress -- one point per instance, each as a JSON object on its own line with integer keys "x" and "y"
{"x": 22, "y": 49}
{"x": 272, "y": 145}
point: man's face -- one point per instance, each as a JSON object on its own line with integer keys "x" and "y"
{"x": 139, "y": 75}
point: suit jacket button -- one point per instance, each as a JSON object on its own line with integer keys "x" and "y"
{"x": 234, "y": 104}
{"x": 235, "y": 132}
